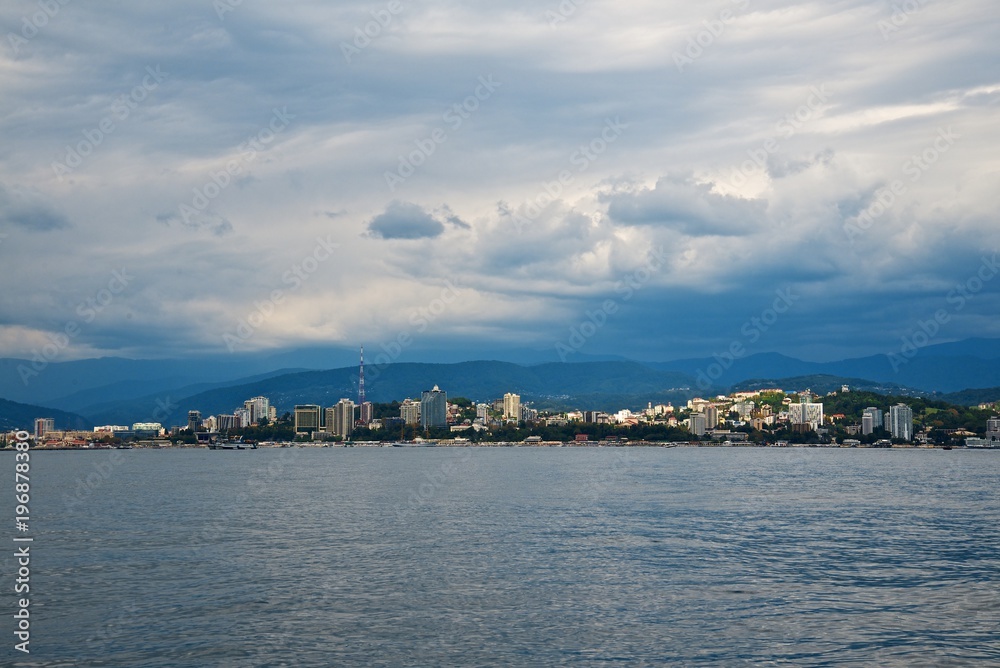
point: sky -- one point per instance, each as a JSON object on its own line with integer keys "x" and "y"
{"x": 656, "y": 180}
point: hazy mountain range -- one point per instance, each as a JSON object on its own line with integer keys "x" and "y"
{"x": 121, "y": 391}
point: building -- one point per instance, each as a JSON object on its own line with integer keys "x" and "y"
{"x": 365, "y": 413}
{"x": 227, "y": 422}
{"x": 511, "y": 407}
{"x": 434, "y": 408}
{"x": 340, "y": 418}
{"x": 194, "y": 421}
{"x": 409, "y": 412}
{"x": 697, "y": 424}
{"x": 712, "y": 416}
{"x": 258, "y": 409}
{"x": 242, "y": 417}
{"x": 307, "y": 418}
{"x": 901, "y": 422}
{"x": 993, "y": 425}
{"x": 806, "y": 413}
{"x": 483, "y": 412}
{"x": 871, "y": 419}
{"x": 44, "y": 426}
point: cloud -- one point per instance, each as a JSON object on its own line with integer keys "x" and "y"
{"x": 26, "y": 208}
{"x": 685, "y": 205}
{"x": 595, "y": 208}
{"x": 403, "y": 220}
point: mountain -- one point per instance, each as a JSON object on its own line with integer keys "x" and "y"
{"x": 139, "y": 394}
{"x": 608, "y": 383}
{"x": 823, "y": 384}
{"x": 22, "y": 416}
{"x": 946, "y": 367}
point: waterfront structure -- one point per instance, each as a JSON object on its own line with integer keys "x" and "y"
{"x": 511, "y": 407}
{"x": 901, "y": 422}
{"x": 44, "y": 426}
{"x": 871, "y": 419}
{"x": 434, "y": 408}
{"x": 806, "y": 413}
{"x": 409, "y": 412}
{"x": 307, "y": 418}
{"x": 112, "y": 428}
{"x": 342, "y": 423}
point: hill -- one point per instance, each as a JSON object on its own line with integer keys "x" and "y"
{"x": 554, "y": 384}
{"x": 22, "y": 416}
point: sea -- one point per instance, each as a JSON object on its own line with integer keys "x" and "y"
{"x": 511, "y": 556}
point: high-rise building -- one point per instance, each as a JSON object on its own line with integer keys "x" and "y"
{"x": 697, "y": 424}
{"x": 44, "y": 426}
{"x": 343, "y": 418}
{"x": 243, "y": 418}
{"x": 259, "y": 409}
{"x": 434, "y": 408}
{"x": 871, "y": 419}
{"x": 712, "y": 417}
{"x": 365, "y": 413}
{"x": 511, "y": 406}
{"x": 409, "y": 411}
{"x": 194, "y": 421}
{"x": 901, "y": 422}
{"x": 307, "y": 418}
{"x": 483, "y": 412}
{"x": 867, "y": 423}
{"x": 227, "y": 422}
{"x": 806, "y": 413}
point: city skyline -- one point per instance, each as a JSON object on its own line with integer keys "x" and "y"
{"x": 576, "y": 178}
